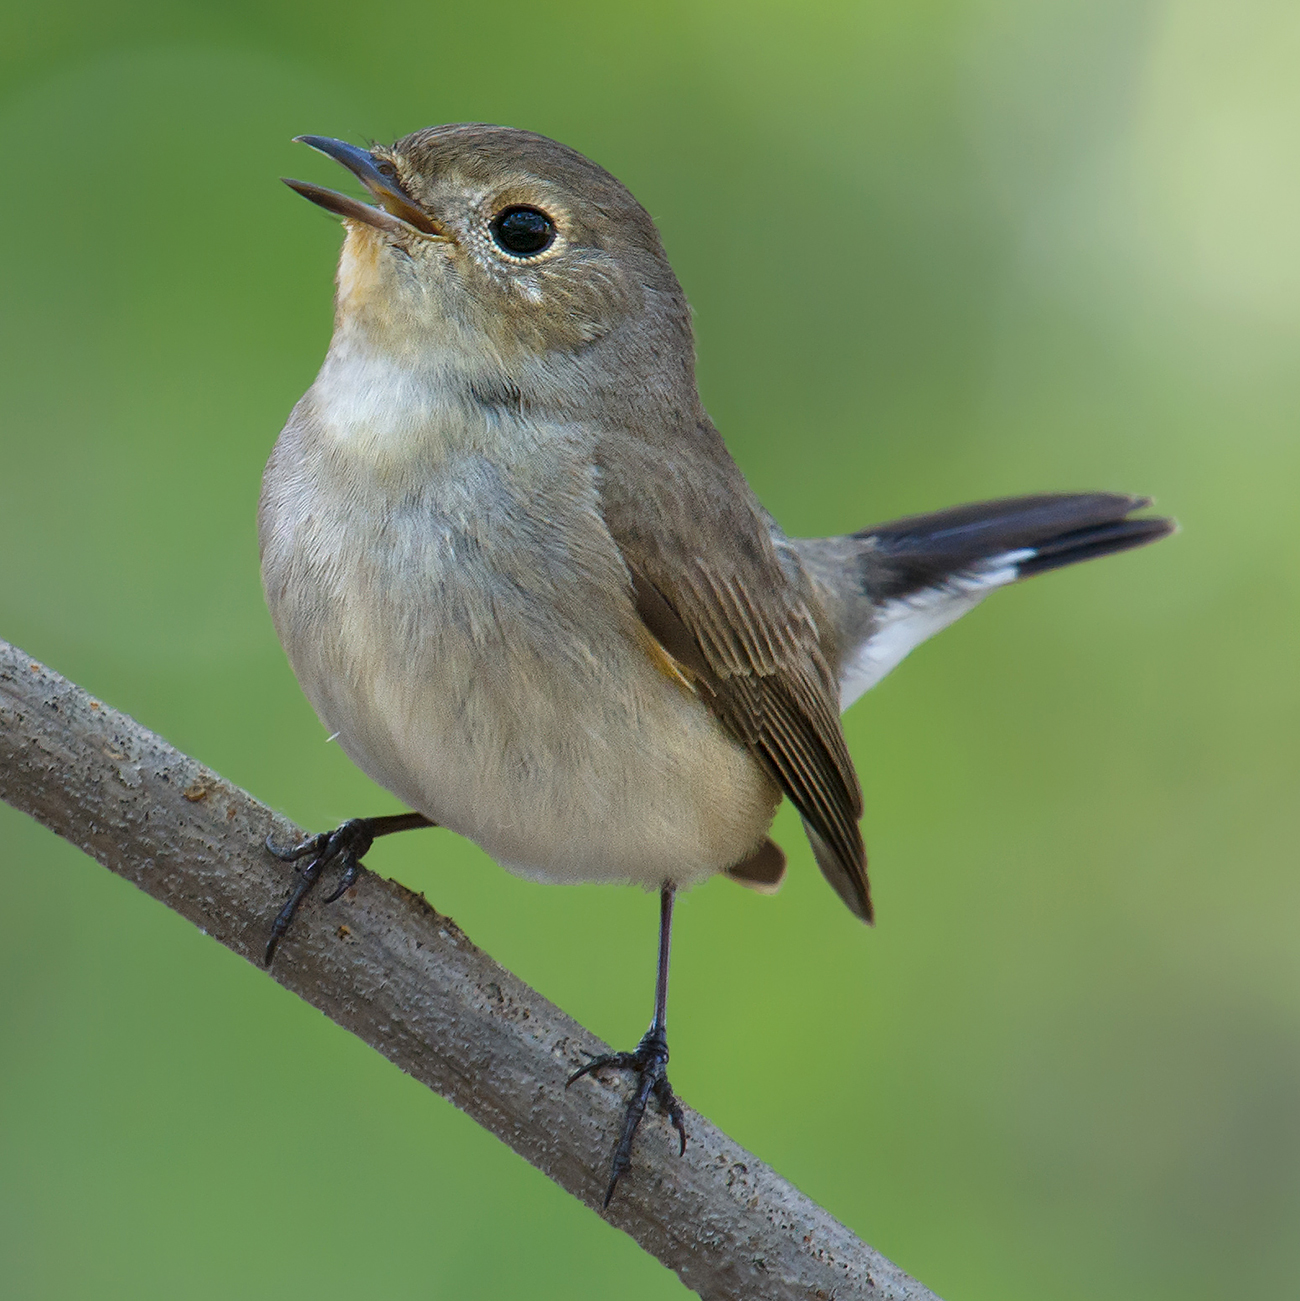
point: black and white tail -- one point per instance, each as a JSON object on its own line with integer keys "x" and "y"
{"x": 920, "y": 573}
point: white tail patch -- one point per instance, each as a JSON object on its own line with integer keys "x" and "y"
{"x": 904, "y": 623}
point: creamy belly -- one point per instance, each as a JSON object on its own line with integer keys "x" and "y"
{"x": 467, "y": 629}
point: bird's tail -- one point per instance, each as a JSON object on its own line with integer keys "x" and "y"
{"x": 890, "y": 587}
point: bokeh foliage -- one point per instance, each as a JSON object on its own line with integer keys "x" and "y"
{"x": 936, "y": 251}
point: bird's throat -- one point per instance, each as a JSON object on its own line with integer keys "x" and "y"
{"x": 389, "y": 409}
{"x": 399, "y": 381}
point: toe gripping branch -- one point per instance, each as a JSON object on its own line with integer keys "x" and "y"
{"x": 347, "y": 844}
{"x": 649, "y": 1059}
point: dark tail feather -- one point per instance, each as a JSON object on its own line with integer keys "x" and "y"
{"x": 923, "y": 551}
{"x": 1085, "y": 544}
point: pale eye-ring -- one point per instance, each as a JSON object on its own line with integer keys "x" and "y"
{"x": 523, "y": 231}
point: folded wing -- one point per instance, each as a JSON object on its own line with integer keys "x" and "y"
{"x": 713, "y": 590}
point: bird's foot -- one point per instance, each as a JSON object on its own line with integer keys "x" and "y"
{"x": 346, "y": 845}
{"x": 650, "y": 1062}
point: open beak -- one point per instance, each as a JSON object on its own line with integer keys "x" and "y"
{"x": 398, "y": 213}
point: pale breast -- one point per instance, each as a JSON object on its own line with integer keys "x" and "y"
{"x": 465, "y": 623}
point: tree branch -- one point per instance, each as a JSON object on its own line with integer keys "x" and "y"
{"x": 409, "y": 982}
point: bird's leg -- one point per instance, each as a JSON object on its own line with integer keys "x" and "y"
{"x": 649, "y": 1059}
{"x": 347, "y": 844}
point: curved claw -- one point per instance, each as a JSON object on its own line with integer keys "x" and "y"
{"x": 624, "y": 1060}
{"x": 351, "y": 873}
{"x": 313, "y": 844}
{"x": 673, "y": 1109}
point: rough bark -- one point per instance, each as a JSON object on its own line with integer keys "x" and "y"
{"x": 412, "y": 985}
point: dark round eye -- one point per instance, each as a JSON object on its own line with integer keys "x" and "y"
{"x": 523, "y": 231}
{"x": 385, "y": 168}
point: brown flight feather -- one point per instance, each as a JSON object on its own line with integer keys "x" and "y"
{"x": 734, "y": 617}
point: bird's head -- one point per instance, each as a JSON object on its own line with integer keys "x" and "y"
{"x": 504, "y": 244}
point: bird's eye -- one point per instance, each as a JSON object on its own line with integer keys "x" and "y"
{"x": 385, "y": 168}
{"x": 523, "y": 231}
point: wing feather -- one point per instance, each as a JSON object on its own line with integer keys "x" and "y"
{"x": 741, "y": 618}
{"x": 768, "y": 682}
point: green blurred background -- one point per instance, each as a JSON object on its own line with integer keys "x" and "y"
{"x": 937, "y": 251}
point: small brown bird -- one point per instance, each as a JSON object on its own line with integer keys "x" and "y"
{"x": 519, "y": 576}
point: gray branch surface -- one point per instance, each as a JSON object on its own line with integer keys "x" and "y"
{"x": 410, "y": 983}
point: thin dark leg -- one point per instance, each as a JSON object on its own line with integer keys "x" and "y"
{"x": 666, "y": 895}
{"x": 348, "y": 844}
{"x": 649, "y": 1060}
